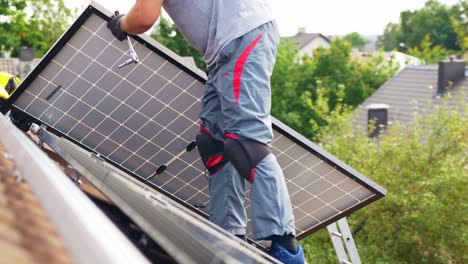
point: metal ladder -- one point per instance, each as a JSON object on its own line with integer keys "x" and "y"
{"x": 340, "y": 234}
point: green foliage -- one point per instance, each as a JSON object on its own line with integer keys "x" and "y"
{"x": 318, "y": 248}
{"x": 391, "y": 36}
{"x": 460, "y": 25}
{"x": 298, "y": 83}
{"x": 429, "y": 53}
{"x": 288, "y": 94}
{"x": 169, "y": 35}
{"x": 356, "y": 40}
{"x": 8, "y": 9}
{"x": 433, "y": 19}
{"x": 423, "y": 167}
{"x": 33, "y": 23}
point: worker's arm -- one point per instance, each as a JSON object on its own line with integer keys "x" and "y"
{"x": 141, "y": 16}
{"x": 139, "y": 19}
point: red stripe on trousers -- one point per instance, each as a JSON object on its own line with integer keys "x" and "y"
{"x": 231, "y": 136}
{"x": 239, "y": 67}
{"x": 206, "y": 131}
{"x": 211, "y": 162}
{"x": 252, "y": 174}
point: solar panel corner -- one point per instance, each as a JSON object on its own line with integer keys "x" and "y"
{"x": 332, "y": 160}
{"x": 144, "y": 116}
{"x": 97, "y": 9}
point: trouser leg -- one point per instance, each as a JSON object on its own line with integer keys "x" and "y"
{"x": 243, "y": 85}
{"x": 226, "y": 187}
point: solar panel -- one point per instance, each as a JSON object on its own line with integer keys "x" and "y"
{"x": 144, "y": 116}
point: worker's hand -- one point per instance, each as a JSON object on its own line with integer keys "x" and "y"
{"x": 114, "y": 26}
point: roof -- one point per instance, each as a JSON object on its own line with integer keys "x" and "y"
{"x": 9, "y": 65}
{"x": 409, "y": 90}
{"x": 302, "y": 39}
{"x": 47, "y": 194}
{"x": 16, "y": 67}
{"x": 403, "y": 59}
{"x": 26, "y": 234}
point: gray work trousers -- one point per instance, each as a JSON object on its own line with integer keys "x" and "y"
{"x": 237, "y": 101}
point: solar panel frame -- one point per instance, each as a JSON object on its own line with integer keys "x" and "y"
{"x": 95, "y": 9}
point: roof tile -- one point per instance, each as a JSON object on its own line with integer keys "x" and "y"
{"x": 411, "y": 88}
{"x": 26, "y": 235}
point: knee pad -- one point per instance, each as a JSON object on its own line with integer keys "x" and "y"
{"x": 211, "y": 151}
{"x": 244, "y": 154}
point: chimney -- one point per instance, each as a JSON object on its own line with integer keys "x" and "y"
{"x": 378, "y": 115}
{"x": 26, "y": 54}
{"x": 301, "y": 30}
{"x": 450, "y": 72}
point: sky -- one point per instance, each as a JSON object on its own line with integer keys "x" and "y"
{"x": 329, "y": 17}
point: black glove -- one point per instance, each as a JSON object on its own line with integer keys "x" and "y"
{"x": 114, "y": 26}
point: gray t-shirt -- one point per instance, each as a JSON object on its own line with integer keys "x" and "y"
{"x": 209, "y": 25}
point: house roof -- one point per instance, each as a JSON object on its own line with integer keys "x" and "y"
{"x": 45, "y": 193}
{"x": 8, "y": 65}
{"x": 26, "y": 234}
{"x": 14, "y": 66}
{"x": 302, "y": 39}
{"x": 409, "y": 91}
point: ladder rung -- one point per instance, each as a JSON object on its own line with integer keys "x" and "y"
{"x": 337, "y": 234}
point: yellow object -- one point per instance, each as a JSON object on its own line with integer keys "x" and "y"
{"x": 8, "y": 84}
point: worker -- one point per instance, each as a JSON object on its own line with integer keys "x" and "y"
{"x": 238, "y": 40}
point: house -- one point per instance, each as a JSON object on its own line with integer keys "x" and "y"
{"x": 8, "y": 65}
{"x": 308, "y": 42}
{"x": 410, "y": 90}
{"x": 401, "y": 58}
{"x": 17, "y": 67}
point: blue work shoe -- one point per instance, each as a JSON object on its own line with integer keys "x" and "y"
{"x": 283, "y": 255}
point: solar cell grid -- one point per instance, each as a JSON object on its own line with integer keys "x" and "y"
{"x": 318, "y": 191}
{"x": 144, "y": 115}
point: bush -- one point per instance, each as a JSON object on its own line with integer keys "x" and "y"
{"x": 424, "y": 168}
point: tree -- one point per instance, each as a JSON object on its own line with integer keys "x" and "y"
{"x": 49, "y": 19}
{"x": 357, "y": 41}
{"x": 288, "y": 73}
{"x": 423, "y": 167}
{"x": 390, "y": 37}
{"x": 328, "y": 73}
{"x": 169, "y": 35}
{"x": 433, "y": 19}
{"x": 33, "y": 23}
{"x": 429, "y": 53}
{"x": 460, "y": 25}
{"x": 8, "y": 37}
